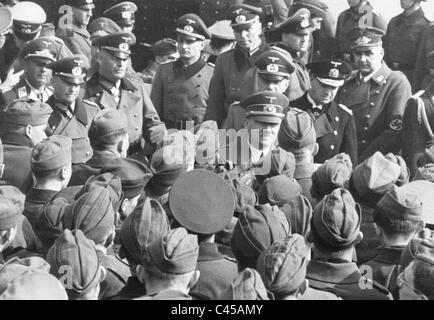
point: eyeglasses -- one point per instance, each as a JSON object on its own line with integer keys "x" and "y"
{"x": 401, "y": 282}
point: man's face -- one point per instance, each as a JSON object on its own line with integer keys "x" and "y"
{"x": 65, "y": 91}
{"x": 322, "y": 94}
{"x": 249, "y": 37}
{"x": 275, "y": 86}
{"x": 262, "y": 134}
{"x": 367, "y": 60}
{"x": 297, "y": 42}
{"x": 81, "y": 16}
{"x": 316, "y": 23}
{"x": 189, "y": 48}
{"x": 112, "y": 68}
{"x": 36, "y": 73}
{"x": 354, "y": 3}
{"x": 407, "y": 4}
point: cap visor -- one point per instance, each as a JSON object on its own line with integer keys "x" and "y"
{"x": 267, "y": 118}
{"x": 331, "y": 83}
{"x": 366, "y": 46}
{"x": 118, "y": 54}
{"x": 267, "y": 76}
{"x": 73, "y": 80}
{"x": 40, "y": 59}
{"x": 243, "y": 25}
{"x": 192, "y": 35}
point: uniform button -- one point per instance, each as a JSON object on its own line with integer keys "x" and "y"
{"x": 87, "y": 139}
{"x": 53, "y": 128}
{"x": 377, "y": 92}
{"x": 335, "y": 133}
{"x": 137, "y": 128}
{"x": 368, "y": 116}
{"x": 218, "y": 2}
{"x": 332, "y": 147}
{"x": 363, "y": 141}
{"x": 372, "y": 104}
{"x": 136, "y": 115}
{"x": 88, "y": 154}
{"x": 337, "y": 119}
{"x": 366, "y": 128}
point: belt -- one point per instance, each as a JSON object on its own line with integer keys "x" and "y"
{"x": 135, "y": 147}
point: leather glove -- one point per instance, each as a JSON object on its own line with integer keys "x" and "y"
{"x": 157, "y": 133}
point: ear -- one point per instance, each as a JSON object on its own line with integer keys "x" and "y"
{"x": 194, "y": 278}
{"x": 315, "y": 149}
{"x": 359, "y": 238}
{"x": 140, "y": 273}
{"x": 29, "y": 130}
{"x": 64, "y": 173}
{"x": 286, "y": 84}
{"x": 124, "y": 204}
{"x": 202, "y": 45}
{"x": 309, "y": 237}
{"x": 103, "y": 274}
{"x": 303, "y": 288}
{"x": 377, "y": 230}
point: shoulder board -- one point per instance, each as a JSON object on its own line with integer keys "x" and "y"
{"x": 211, "y": 64}
{"x": 352, "y": 76}
{"x": 230, "y": 259}
{"x": 418, "y": 95}
{"x": 58, "y": 40}
{"x": 345, "y": 108}
{"x": 376, "y": 12}
{"x": 91, "y": 103}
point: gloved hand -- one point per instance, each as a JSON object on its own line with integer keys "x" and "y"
{"x": 11, "y": 80}
{"x": 157, "y": 133}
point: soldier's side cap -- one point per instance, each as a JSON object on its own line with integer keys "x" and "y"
{"x": 282, "y": 163}
{"x": 102, "y": 26}
{"x": 332, "y": 174}
{"x": 265, "y": 106}
{"x": 74, "y": 250}
{"x": 248, "y": 286}
{"x": 164, "y": 47}
{"x": 376, "y": 175}
{"x": 26, "y": 112}
{"x": 402, "y": 204}
{"x": 297, "y": 131}
{"x": 92, "y": 213}
{"x": 316, "y": 8}
{"x": 330, "y": 72}
{"x": 256, "y": 230}
{"x": 278, "y": 191}
{"x": 122, "y": 12}
{"x": 82, "y": 4}
{"x": 297, "y": 23}
{"x": 51, "y": 154}
{"x": 299, "y": 214}
{"x": 425, "y": 191}
{"x": 275, "y": 65}
{"x": 42, "y": 49}
{"x": 72, "y": 69}
{"x": 134, "y": 175}
{"x": 361, "y": 38}
{"x": 29, "y": 279}
{"x": 107, "y": 122}
{"x": 202, "y": 210}
{"x": 11, "y": 207}
{"x": 425, "y": 173}
{"x": 422, "y": 243}
{"x": 243, "y": 15}
{"x": 222, "y": 30}
{"x": 5, "y": 19}
{"x": 118, "y": 44}
{"x": 192, "y": 25}
{"x": 336, "y": 220}
{"x": 175, "y": 253}
{"x": 28, "y": 18}
{"x": 146, "y": 224}
{"x": 283, "y": 266}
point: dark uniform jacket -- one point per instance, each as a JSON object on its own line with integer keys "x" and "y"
{"x": 402, "y": 41}
{"x": 134, "y": 101}
{"x": 78, "y": 41}
{"x": 17, "y": 155}
{"x": 335, "y": 129}
{"x": 74, "y": 124}
{"x": 117, "y": 275}
{"x": 133, "y": 289}
{"x": 212, "y": 11}
{"x": 378, "y": 106}
{"x": 417, "y": 135}
{"x": 424, "y": 69}
{"x": 181, "y": 93}
{"x": 82, "y": 172}
{"x": 344, "y": 280}
{"x": 216, "y": 273}
{"x": 35, "y": 202}
{"x": 386, "y": 267}
{"x": 348, "y": 20}
{"x": 235, "y": 78}
{"x": 303, "y": 174}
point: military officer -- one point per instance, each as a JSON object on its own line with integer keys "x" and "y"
{"x": 360, "y": 11}
{"x": 296, "y": 34}
{"x": 74, "y": 33}
{"x": 235, "y": 75}
{"x": 109, "y": 88}
{"x": 424, "y": 68}
{"x": 71, "y": 116}
{"x": 180, "y": 89}
{"x": 222, "y": 40}
{"x": 403, "y": 37}
{"x": 205, "y": 212}
{"x": 376, "y": 95}
{"x": 33, "y": 84}
{"x": 123, "y": 14}
{"x": 334, "y": 123}
{"x": 418, "y": 136}
{"x": 24, "y": 122}
{"x": 276, "y": 73}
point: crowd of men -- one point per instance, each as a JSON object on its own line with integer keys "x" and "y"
{"x": 215, "y": 150}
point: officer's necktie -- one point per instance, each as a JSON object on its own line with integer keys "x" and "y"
{"x": 40, "y": 96}
{"x": 115, "y": 93}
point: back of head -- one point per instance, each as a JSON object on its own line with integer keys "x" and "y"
{"x": 299, "y": 214}
{"x": 278, "y": 191}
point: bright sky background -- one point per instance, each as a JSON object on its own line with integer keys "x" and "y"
{"x": 388, "y": 8}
